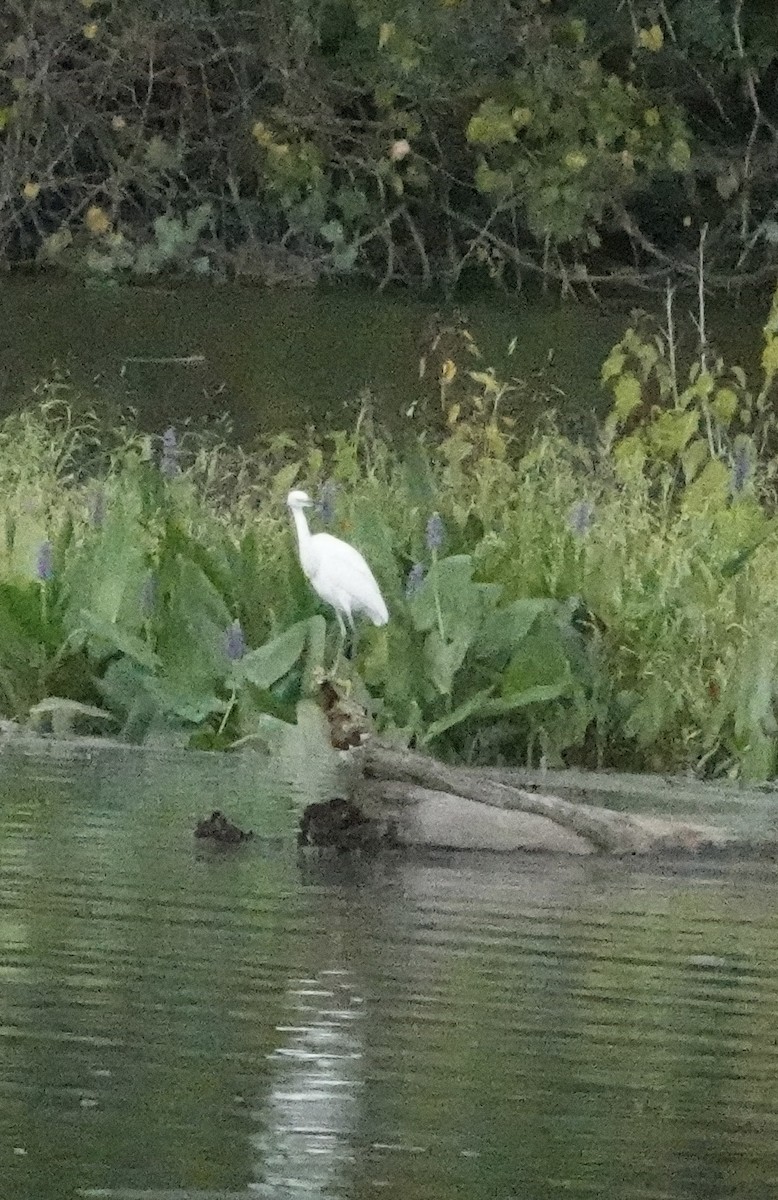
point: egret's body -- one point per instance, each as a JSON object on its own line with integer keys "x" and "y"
{"x": 336, "y": 571}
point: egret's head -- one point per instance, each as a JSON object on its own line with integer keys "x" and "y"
{"x": 298, "y": 499}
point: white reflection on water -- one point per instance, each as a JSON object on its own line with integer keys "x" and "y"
{"x": 309, "y": 1117}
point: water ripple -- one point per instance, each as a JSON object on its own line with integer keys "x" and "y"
{"x": 179, "y": 1026}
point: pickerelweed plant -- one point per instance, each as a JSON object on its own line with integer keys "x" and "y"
{"x": 614, "y": 604}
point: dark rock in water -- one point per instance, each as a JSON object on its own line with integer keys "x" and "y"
{"x": 219, "y": 829}
{"x": 339, "y": 824}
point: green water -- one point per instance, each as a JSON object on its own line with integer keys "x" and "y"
{"x": 275, "y": 360}
{"x": 183, "y": 1025}
{"x": 280, "y": 360}
{"x": 271, "y": 359}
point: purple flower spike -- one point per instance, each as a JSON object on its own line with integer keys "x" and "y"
{"x": 234, "y": 642}
{"x": 168, "y": 464}
{"x": 435, "y": 532}
{"x": 148, "y": 595}
{"x": 414, "y": 581}
{"x": 44, "y": 562}
{"x": 326, "y": 504}
{"x": 581, "y": 518}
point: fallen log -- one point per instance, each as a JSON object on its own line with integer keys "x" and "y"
{"x": 433, "y": 803}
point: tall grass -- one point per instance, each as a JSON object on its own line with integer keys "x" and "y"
{"x": 614, "y": 605}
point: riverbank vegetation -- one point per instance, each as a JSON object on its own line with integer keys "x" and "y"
{"x": 412, "y": 142}
{"x": 603, "y": 605}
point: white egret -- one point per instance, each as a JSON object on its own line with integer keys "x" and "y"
{"x": 336, "y": 571}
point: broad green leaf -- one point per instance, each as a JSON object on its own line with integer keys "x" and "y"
{"x": 115, "y": 638}
{"x": 191, "y": 708}
{"x": 540, "y": 661}
{"x": 23, "y": 648}
{"x": 343, "y": 258}
{"x": 463, "y": 603}
{"x": 506, "y": 627}
{"x": 702, "y": 386}
{"x": 106, "y": 576}
{"x": 490, "y": 182}
{"x": 709, "y": 489}
{"x": 391, "y": 668}
{"x": 65, "y": 716}
{"x": 741, "y": 528}
{"x": 724, "y": 405}
{"x": 268, "y": 664}
{"x": 214, "y": 563}
{"x": 443, "y": 659}
{"x": 613, "y": 365}
{"x": 25, "y": 532}
{"x": 693, "y": 458}
{"x": 629, "y": 457}
{"x": 536, "y": 693}
{"x": 491, "y": 125}
{"x": 260, "y": 731}
{"x": 463, "y": 712}
{"x": 22, "y": 608}
{"x": 283, "y": 481}
{"x": 671, "y": 431}
{"x": 313, "y": 660}
{"x": 191, "y": 642}
{"x": 627, "y": 395}
{"x": 125, "y": 688}
{"x": 770, "y": 357}
{"x": 754, "y": 716}
{"x": 255, "y": 702}
{"x": 484, "y": 706}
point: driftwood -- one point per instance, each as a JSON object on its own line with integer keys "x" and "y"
{"x": 432, "y": 803}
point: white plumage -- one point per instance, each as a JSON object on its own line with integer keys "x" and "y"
{"x": 336, "y": 571}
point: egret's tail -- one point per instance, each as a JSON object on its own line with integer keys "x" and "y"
{"x": 377, "y": 611}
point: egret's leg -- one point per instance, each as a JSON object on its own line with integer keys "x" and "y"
{"x": 352, "y": 647}
{"x": 341, "y": 642}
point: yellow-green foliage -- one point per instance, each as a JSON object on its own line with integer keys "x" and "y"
{"x": 412, "y": 140}
{"x": 612, "y": 604}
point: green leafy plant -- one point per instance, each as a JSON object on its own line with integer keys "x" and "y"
{"x": 417, "y": 142}
{"x": 702, "y": 425}
{"x": 549, "y": 601}
{"x": 175, "y": 244}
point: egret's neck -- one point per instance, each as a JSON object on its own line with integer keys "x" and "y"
{"x": 301, "y": 526}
